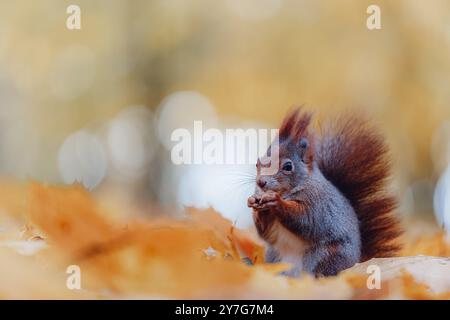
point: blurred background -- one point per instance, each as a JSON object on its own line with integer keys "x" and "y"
{"x": 98, "y": 105}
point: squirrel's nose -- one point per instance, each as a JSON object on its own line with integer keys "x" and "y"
{"x": 261, "y": 182}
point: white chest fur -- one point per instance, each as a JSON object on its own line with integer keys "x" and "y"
{"x": 290, "y": 248}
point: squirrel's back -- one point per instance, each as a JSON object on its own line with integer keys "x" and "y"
{"x": 353, "y": 157}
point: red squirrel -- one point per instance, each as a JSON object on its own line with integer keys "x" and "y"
{"x": 327, "y": 207}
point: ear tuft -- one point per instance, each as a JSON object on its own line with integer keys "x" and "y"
{"x": 295, "y": 125}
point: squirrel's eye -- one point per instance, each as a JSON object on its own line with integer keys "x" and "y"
{"x": 287, "y": 166}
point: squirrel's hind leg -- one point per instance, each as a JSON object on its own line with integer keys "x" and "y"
{"x": 325, "y": 261}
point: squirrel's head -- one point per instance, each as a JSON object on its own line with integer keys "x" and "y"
{"x": 295, "y": 157}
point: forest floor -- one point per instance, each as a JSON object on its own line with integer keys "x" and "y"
{"x": 61, "y": 242}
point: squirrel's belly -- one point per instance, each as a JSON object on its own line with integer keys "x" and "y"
{"x": 290, "y": 247}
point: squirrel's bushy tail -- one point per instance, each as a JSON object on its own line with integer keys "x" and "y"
{"x": 353, "y": 156}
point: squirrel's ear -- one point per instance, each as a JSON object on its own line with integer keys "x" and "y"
{"x": 304, "y": 145}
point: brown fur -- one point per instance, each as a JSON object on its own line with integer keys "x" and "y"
{"x": 353, "y": 156}
{"x": 294, "y": 127}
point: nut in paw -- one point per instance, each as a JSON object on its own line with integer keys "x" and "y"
{"x": 264, "y": 201}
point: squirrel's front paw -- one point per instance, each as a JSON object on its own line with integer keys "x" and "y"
{"x": 269, "y": 199}
{"x": 252, "y": 201}
{"x": 264, "y": 201}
